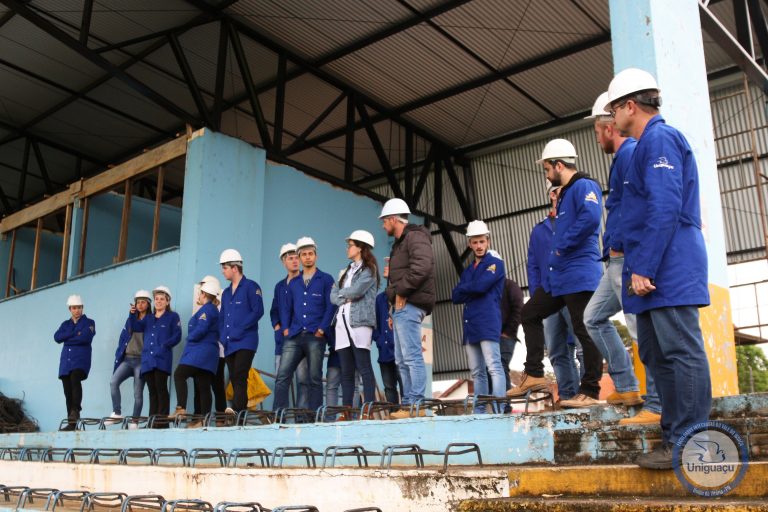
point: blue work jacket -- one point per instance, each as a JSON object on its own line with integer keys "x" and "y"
{"x": 160, "y": 336}
{"x": 202, "y": 348}
{"x": 309, "y": 308}
{"x": 539, "y": 248}
{"x": 382, "y": 334}
{"x": 77, "y": 338}
{"x": 239, "y": 317}
{"x": 621, "y": 161}
{"x": 122, "y": 342}
{"x": 278, "y": 302}
{"x": 574, "y": 263}
{"x": 661, "y": 222}
{"x": 479, "y": 289}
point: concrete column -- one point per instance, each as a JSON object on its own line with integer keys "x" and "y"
{"x": 665, "y": 39}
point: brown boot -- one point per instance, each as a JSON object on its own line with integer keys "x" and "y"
{"x": 644, "y": 417}
{"x": 627, "y": 398}
{"x": 529, "y": 383}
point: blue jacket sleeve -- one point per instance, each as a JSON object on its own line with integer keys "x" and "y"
{"x": 138, "y": 325}
{"x": 325, "y": 324}
{"x": 200, "y": 329}
{"x": 274, "y": 311}
{"x": 64, "y": 331}
{"x": 175, "y": 336}
{"x": 664, "y": 189}
{"x": 534, "y": 272}
{"x": 487, "y": 279}
{"x": 83, "y": 336}
{"x": 359, "y": 288}
{"x": 286, "y": 312}
{"x": 588, "y": 214}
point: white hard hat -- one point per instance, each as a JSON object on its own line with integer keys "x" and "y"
{"x": 305, "y": 241}
{"x": 599, "y": 108}
{"x": 558, "y": 149}
{"x": 211, "y": 287}
{"x": 162, "y": 289}
{"x": 230, "y": 256}
{"x": 209, "y": 278}
{"x": 74, "y": 300}
{"x": 477, "y": 228}
{"x": 360, "y": 235}
{"x": 629, "y": 81}
{"x": 395, "y": 206}
{"x": 213, "y": 281}
{"x": 142, "y": 294}
{"x": 286, "y": 248}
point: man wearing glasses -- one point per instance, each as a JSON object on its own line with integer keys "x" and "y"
{"x": 665, "y": 271}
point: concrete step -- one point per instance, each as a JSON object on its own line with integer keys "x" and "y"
{"x": 620, "y": 480}
{"x": 577, "y": 504}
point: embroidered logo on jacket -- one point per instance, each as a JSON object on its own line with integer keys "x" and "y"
{"x": 491, "y": 268}
{"x": 591, "y": 197}
{"x": 663, "y": 162}
{"x": 203, "y": 317}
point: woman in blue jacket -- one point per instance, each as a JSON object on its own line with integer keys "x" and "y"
{"x": 128, "y": 359}
{"x": 201, "y": 354}
{"x": 162, "y": 332}
{"x": 355, "y": 295}
{"x": 76, "y": 333}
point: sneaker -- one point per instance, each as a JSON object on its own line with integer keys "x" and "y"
{"x": 659, "y": 458}
{"x": 180, "y": 411}
{"x": 115, "y": 417}
{"x": 627, "y": 398}
{"x": 133, "y": 426}
{"x": 644, "y": 417}
{"x": 529, "y": 383}
{"x": 578, "y": 402}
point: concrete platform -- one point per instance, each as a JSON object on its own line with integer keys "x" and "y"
{"x": 639, "y": 504}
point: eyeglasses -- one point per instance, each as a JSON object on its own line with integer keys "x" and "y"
{"x": 617, "y": 107}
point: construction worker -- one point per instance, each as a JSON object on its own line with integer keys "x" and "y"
{"x": 558, "y": 332}
{"x": 411, "y": 294}
{"x": 162, "y": 332}
{"x": 128, "y": 359}
{"x": 665, "y": 267}
{"x": 76, "y": 333}
{"x": 218, "y": 386}
{"x": 480, "y": 288}
{"x": 305, "y": 320}
{"x": 201, "y": 354}
{"x": 241, "y": 309}
{"x": 385, "y": 342}
{"x": 574, "y": 273}
{"x": 355, "y": 297}
{"x": 606, "y": 300}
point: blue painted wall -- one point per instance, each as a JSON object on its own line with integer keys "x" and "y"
{"x": 50, "y": 259}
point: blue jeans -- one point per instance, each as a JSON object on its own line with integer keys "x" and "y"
{"x": 672, "y": 347}
{"x": 410, "y": 361}
{"x": 294, "y": 350}
{"x": 302, "y": 384}
{"x": 130, "y": 367}
{"x": 606, "y": 302}
{"x": 485, "y": 357}
{"x": 354, "y": 360}
{"x": 557, "y": 329}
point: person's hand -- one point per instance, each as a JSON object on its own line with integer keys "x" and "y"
{"x": 642, "y": 285}
{"x": 386, "y": 268}
{"x": 389, "y": 322}
{"x": 285, "y": 332}
{"x": 400, "y": 302}
{"x": 277, "y": 327}
{"x": 319, "y": 333}
{"x": 132, "y": 309}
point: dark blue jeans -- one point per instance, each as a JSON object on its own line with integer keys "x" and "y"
{"x": 672, "y": 347}
{"x": 353, "y": 358}
{"x": 294, "y": 350}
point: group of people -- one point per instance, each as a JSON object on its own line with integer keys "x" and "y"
{"x": 655, "y": 270}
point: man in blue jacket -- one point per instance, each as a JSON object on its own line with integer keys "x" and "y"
{"x": 558, "y": 332}
{"x": 665, "y": 268}
{"x": 385, "y": 342}
{"x": 305, "y": 320}
{"x": 606, "y": 300}
{"x": 574, "y": 273}
{"x": 479, "y": 289}
{"x": 242, "y": 306}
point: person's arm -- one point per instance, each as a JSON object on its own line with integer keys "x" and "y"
{"x": 359, "y": 288}
{"x": 82, "y": 334}
{"x": 175, "y": 336}
{"x": 274, "y": 310}
{"x": 286, "y": 313}
{"x": 64, "y": 331}
{"x": 458, "y": 296}
{"x": 336, "y": 299}
{"x": 325, "y": 323}
{"x": 421, "y": 264}
{"x": 200, "y": 329}
{"x": 487, "y": 275}
{"x": 515, "y": 309}
{"x": 587, "y": 203}
{"x": 255, "y": 308}
{"x": 534, "y": 272}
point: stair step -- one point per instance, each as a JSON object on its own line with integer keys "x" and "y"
{"x": 576, "y": 504}
{"x": 620, "y": 480}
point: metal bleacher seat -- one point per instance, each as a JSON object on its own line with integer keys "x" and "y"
{"x": 297, "y": 508}
{"x": 102, "y": 500}
{"x": 139, "y": 421}
{"x": 169, "y": 453}
{"x": 282, "y": 452}
{"x": 331, "y": 453}
{"x": 142, "y": 502}
{"x": 196, "y": 505}
{"x": 235, "y": 506}
{"x": 100, "y": 454}
{"x": 295, "y": 414}
{"x": 418, "y": 453}
{"x": 86, "y": 423}
{"x": 32, "y": 453}
{"x": 249, "y": 453}
{"x": 29, "y": 495}
{"x": 66, "y": 499}
{"x": 216, "y": 454}
{"x": 248, "y": 418}
{"x": 135, "y": 453}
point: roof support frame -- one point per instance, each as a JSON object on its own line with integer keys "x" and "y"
{"x": 221, "y": 72}
{"x": 85, "y": 25}
{"x": 378, "y": 148}
{"x": 282, "y": 64}
{"x": 189, "y": 78}
{"x": 23, "y": 177}
{"x": 41, "y": 165}
{"x": 349, "y": 140}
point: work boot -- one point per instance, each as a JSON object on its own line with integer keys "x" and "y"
{"x": 580, "y": 401}
{"x": 627, "y": 398}
{"x": 659, "y": 458}
{"x": 180, "y": 411}
{"x": 529, "y": 383}
{"x": 71, "y": 421}
{"x": 644, "y": 417}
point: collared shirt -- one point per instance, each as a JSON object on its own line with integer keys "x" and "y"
{"x": 309, "y": 306}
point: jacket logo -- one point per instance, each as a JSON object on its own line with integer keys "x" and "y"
{"x": 491, "y": 268}
{"x": 92, "y": 329}
{"x": 203, "y": 317}
{"x": 591, "y": 197}
{"x": 663, "y": 162}
{"x": 258, "y": 291}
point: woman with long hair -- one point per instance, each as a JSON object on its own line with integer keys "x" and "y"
{"x": 162, "y": 332}
{"x": 355, "y": 295}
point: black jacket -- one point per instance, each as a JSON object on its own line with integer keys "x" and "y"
{"x": 412, "y": 268}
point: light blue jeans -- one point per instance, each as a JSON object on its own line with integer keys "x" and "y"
{"x": 410, "y": 361}
{"x": 130, "y": 367}
{"x": 562, "y": 355}
{"x": 485, "y": 358}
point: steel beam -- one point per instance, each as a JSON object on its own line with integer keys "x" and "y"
{"x": 23, "y": 177}
{"x": 279, "y": 103}
{"x": 466, "y": 210}
{"x": 85, "y": 24}
{"x": 189, "y": 78}
{"x": 318, "y": 120}
{"x": 349, "y": 140}
{"x": 378, "y": 149}
{"x": 221, "y": 72}
{"x": 41, "y": 165}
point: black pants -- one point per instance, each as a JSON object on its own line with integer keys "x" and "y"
{"x": 73, "y": 391}
{"x": 239, "y": 364}
{"x": 390, "y": 377}
{"x": 219, "y": 391}
{"x": 202, "y": 379}
{"x": 542, "y": 305}
{"x": 159, "y": 396}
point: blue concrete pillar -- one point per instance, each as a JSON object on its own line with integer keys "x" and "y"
{"x": 664, "y": 37}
